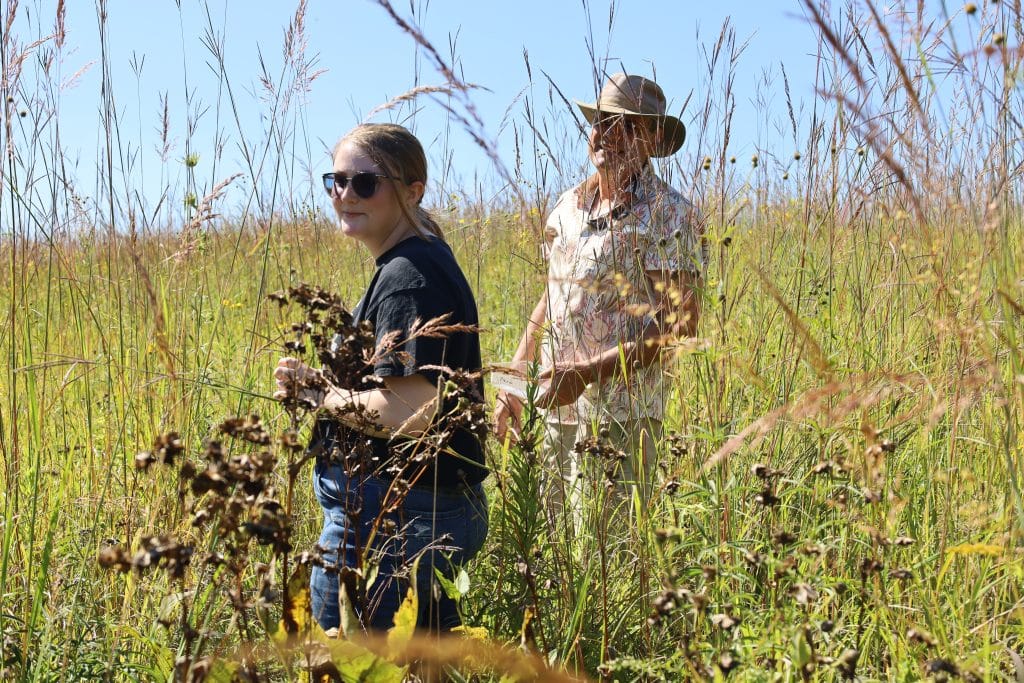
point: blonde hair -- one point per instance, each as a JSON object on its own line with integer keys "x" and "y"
{"x": 400, "y": 156}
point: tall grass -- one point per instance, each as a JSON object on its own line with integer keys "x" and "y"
{"x": 840, "y": 491}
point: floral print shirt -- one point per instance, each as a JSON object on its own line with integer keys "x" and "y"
{"x": 599, "y": 293}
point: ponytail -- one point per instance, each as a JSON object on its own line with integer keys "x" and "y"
{"x": 424, "y": 221}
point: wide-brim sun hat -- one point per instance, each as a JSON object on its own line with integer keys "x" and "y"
{"x": 639, "y": 97}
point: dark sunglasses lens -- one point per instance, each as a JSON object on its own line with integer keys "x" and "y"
{"x": 365, "y": 184}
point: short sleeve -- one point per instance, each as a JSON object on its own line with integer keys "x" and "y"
{"x": 550, "y": 234}
{"x": 400, "y": 352}
{"x": 676, "y": 239}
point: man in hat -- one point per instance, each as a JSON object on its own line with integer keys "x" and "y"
{"x": 625, "y": 253}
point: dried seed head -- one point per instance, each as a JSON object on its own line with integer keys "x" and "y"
{"x": 970, "y": 8}
{"x": 143, "y": 460}
{"x": 870, "y": 566}
{"x": 782, "y": 537}
{"x": 847, "y": 662}
{"x": 901, "y": 574}
{"x": 917, "y": 635}
{"x": 937, "y": 667}
{"x": 727, "y": 662}
{"x": 803, "y": 593}
{"x": 724, "y": 621}
{"x": 824, "y": 467}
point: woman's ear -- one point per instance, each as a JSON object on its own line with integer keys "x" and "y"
{"x": 414, "y": 192}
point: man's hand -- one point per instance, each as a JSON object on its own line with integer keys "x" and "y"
{"x": 298, "y": 384}
{"x": 565, "y": 384}
{"x": 508, "y": 414}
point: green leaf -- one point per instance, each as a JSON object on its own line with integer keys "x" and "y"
{"x": 462, "y": 582}
{"x": 405, "y": 623}
{"x": 355, "y": 664}
{"x": 350, "y": 624}
{"x": 802, "y": 654}
{"x": 449, "y": 587}
{"x": 454, "y": 589}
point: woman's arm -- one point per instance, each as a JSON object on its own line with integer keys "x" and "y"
{"x": 405, "y": 405}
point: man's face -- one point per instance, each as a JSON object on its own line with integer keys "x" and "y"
{"x": 620, "y": 144}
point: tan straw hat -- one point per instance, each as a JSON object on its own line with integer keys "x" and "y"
{"x": 640, "y": 97}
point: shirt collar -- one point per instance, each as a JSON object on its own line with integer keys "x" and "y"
{"x": 640, "y": 188}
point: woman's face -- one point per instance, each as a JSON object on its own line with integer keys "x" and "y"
{"x": 378, "y": 220}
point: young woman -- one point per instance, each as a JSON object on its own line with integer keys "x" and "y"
{"x": 417, "y": 493}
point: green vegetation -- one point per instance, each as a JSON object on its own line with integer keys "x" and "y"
{"x": 841, "y": 485}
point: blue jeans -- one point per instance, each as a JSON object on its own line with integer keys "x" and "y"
{"x": 444, "y": 528}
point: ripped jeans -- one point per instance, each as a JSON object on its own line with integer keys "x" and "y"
{"x": 445, "y": 528}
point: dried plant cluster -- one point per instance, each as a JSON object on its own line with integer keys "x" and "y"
{"x": 232, "y": 499}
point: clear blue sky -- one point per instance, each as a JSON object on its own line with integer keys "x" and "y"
{"x": 368, "y": 60}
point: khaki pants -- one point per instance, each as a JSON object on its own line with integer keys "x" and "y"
{"x": 570, "y": 473}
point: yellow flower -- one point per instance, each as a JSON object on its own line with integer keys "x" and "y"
{"x": 976, "y": 549}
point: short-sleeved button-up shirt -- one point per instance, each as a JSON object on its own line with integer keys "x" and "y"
{"x": 599, "y": 293}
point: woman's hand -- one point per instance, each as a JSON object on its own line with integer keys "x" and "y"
{"x": 508, "y": 414}
{"x": 299, "y": 385}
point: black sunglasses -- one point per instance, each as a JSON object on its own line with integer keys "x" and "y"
{"x": 364, "y": 183}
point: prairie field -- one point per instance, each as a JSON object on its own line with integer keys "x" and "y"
{"x": 839, "y": 493}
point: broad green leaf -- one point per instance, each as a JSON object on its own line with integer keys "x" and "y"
{"x": 462, "y": 582}
{"x": 405, "y": 623}
{"x": 356, "y": 664}
{"x": 449, "y": 587}
{"x": 168, "y": 605}
{"x": 802, "y": 654}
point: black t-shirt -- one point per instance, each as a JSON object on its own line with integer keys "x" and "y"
{"x": 418, "y": 280}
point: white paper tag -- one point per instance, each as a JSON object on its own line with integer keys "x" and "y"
{"x": 511, "y": 384}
